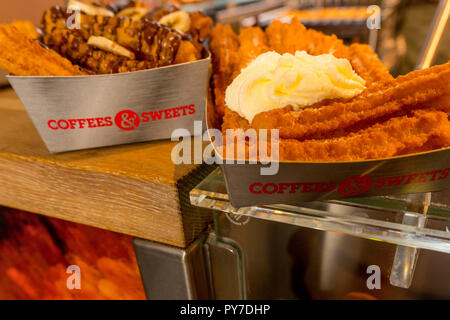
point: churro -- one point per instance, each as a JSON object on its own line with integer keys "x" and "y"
{"x": 425, "y": 130}
{"x": 224, "y": 46}
{"x": 23, "y": 56}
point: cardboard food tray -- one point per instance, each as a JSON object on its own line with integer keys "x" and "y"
{"x": 298, "y": 182}
{"x": 83, "y": 112}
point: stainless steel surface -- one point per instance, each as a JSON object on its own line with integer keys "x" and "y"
{"x": 170, "y": 273}
{"x": 435, "y": 34}
{"x": 283, "y": 261}
{"x": 225, "y": 265}
{"x": 91, "y": 97}
{"x": 376, "y": 218}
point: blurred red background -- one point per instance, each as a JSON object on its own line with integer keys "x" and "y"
{"x": 35, "y": 252}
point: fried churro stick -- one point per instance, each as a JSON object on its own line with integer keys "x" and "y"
{"x": 442, "y": 103}
{"x": 252, "y": 43}
{"x": 200, "y": 29}
{"x": 323, "y": 44}
{"x": 232, "y": 120}
{"x": 288, "y": 38}
{"x": 291, "y": 37}
{"x": 367, "y": 64}
{"x": 224, "y": 47}
{"x": 401, "y": 95}
{"x": 275, "y": 32}
{"x": 23, "y": 56}
{"x": 426, "y": 130}
{"x": 186, "y": 53}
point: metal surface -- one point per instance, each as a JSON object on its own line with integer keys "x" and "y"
{"x": 103, "y": 96}
{"x": 435, "y": 34}
{"x": 288, "y": 262}
{"x": 298, "y": 182}
{"x": 170, "y": 273}
{"x": 225, "y": 266}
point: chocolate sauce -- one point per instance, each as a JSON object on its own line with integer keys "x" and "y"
{"x": 153, "y": 44}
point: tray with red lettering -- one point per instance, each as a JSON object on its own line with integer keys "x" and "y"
{"x": 295, "y": 182}
{"x": 83, "y": 112}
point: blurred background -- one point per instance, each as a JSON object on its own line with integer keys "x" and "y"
{"x": 404, "y": 23}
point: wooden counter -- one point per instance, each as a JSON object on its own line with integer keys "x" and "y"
{"x": 133, "y": 189}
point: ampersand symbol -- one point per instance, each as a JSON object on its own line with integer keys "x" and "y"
{"x": 355, "y": 185}
{"x": 127, "y": 120}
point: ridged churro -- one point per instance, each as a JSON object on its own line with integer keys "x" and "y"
{"x": 367, "y": 64}
{"x": 425, "y": 130}
{"x": 291, "y": 37}
{"x": 224, "y": 46}
{"x": 252, "y": 42}
{"x": 27, "y": 28}
{"x": 23, "y": 56}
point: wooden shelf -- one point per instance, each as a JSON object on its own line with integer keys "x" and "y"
{"x": 132, "y": 189}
